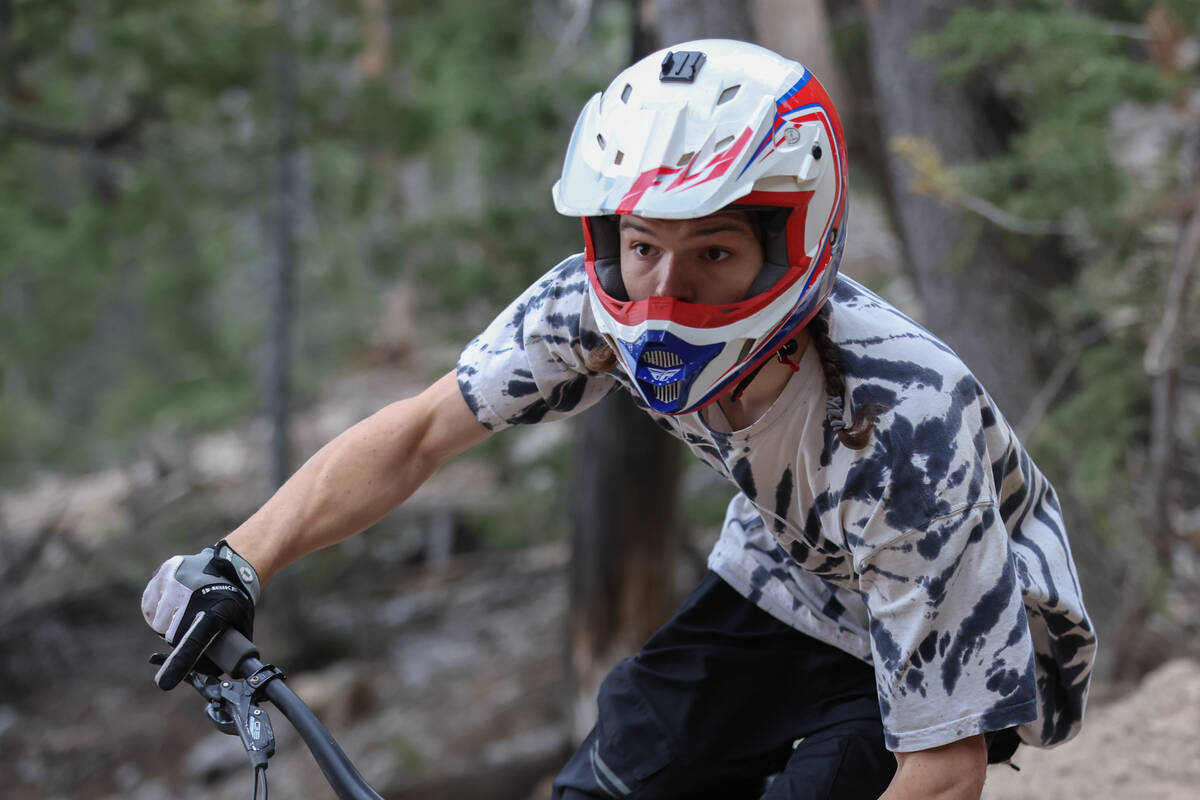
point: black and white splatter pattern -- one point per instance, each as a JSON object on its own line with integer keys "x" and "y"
{"x": 937, "y": 552}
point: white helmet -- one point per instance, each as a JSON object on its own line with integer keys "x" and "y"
{"x": 681, "y": 134}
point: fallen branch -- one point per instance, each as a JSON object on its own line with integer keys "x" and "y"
{"x": 932, "y": 178}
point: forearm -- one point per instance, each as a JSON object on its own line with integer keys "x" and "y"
{"x": 358, "y": 477}
{"x": 953, "y": 772}
{"x": 349, "y": 484}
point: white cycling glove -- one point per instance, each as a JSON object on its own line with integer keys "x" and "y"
{"x": 191, "y": 600}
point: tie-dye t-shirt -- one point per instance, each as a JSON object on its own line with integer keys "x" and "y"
{"x": 937, "y": 552}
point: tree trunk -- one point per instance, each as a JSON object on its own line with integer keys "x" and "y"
{"x": 626, "y": 534}
{"x": 279, "y": 380}
{"x": 625, "y": 539}
{"x": 969, "y": 290}
{"x": 287, "y": 593}
{"x": 682, "y": 20}
{"x": 799, "y": 29}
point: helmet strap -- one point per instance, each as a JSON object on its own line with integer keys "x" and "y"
{"x": 783, "y": 355}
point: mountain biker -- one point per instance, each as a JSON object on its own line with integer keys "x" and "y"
{"x": 892, "y": 601}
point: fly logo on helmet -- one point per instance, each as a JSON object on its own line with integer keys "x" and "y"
{"x": 682, "y": 134}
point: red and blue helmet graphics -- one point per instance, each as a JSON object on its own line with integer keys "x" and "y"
{"x": 682, "y": 134}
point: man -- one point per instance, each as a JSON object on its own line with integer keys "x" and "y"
{"x": 893, "y": 575}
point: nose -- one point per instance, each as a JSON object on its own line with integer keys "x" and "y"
{"x": 673, "y": 280}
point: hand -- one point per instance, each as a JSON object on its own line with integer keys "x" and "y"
{"x": 190, "y": 600}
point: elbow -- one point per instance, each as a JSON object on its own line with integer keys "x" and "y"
{"x": 956, "y": 771}
{"x": 974, "y": 776}
{"x": 975, "y": 768}
{"x": 969, "y": 771}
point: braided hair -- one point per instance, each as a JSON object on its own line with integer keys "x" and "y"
{"x": 600, "y": 358}
{"x": 856, "y": 433}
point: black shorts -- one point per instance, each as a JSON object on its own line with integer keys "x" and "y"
{"x": 713, "y": 707}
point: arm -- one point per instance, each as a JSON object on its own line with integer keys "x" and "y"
{"x": 954, "y": 771}
{"x": 362, "y": 474}
{"x": 348, "y": 485}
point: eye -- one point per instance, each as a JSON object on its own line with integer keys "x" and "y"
{"x": 641, "y": 249}
{"x": 715, "y": 254}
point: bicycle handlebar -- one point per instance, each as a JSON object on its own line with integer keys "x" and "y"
{"x": 229, "y": 650}
{"x": 238, "y": 657}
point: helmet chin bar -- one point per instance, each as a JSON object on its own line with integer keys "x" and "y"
{"x": 664, "y": 367}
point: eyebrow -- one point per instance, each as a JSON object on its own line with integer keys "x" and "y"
{"x": 741, "y": 226}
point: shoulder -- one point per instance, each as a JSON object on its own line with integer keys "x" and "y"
{"x": 566, "y": 280}
{"x": 529, "y": 364}
{"x": 884, "y": 351}
{"x": 889, "y": 361}
{"x": 554, "y": 300}
{"x": 552, "y": 314}
{"x": 928, "y": 453}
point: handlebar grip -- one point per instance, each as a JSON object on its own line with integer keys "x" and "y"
{"x": 229, "y": 650}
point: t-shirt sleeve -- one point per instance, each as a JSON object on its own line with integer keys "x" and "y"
{"x": 528, "y": 366}
{"x": 949, "y": 635}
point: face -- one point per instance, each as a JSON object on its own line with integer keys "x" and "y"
{"x": 711, "y": 260}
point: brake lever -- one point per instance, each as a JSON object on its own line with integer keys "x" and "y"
{"x": 233, "y": 708}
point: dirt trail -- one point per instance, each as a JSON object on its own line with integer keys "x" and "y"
{"x": 1144, "y": 745}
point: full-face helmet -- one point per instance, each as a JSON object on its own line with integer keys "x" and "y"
{"x": 683, "y": 133}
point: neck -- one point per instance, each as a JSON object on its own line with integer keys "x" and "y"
{"x": 763, "y": 390}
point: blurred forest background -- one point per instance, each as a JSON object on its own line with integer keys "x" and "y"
{"x": 228, "y": 230}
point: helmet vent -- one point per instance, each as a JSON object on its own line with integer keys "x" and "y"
{"x": 659, "y": 358}
{"x": 619, "y": 157}
{"x": 662, "y": 358}
{"x": 721, "y": 145}
{"x": 685, "y": 159}
{"x": 728, "y": 94}
{"x": 600, "y": 141}
{"x": 628, "y": 90}
{"x": 668, "y": 393}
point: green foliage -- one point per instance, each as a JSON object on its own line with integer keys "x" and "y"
{"x": 107, "y": 260}
{"x": 1095, "y": 424}
{"x": 137, "y": 167}
{"x": 1062, "y": 73}
{"x": 1062, "y": 70}
{"x": 407, "y": 754}
{"x": 494, "y": 113}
